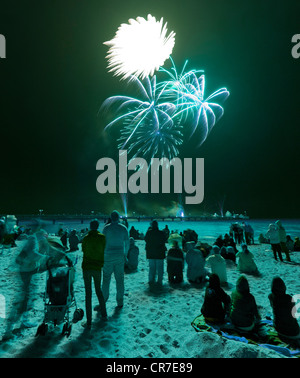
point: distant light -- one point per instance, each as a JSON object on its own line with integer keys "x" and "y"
{"x": 140, "y": 47}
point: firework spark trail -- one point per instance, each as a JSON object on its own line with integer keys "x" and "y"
{"x": 165, "y": 113}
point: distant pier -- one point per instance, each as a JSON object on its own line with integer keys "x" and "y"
{"x": 82, "y": 218}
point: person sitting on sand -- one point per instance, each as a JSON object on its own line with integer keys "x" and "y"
{"x": 175, "y": 263}
{"x": 246, "y": 262}
{"x": 289, "y": 243}
{"x": 273, "y": 235}
{"x": 217, "y": 264}
{"x": 73, "y": 241}
{"x": 262, "y": 239}
{"x": 228, "y": 253}
{"x": 216, "y": 302}
{"x": 243, "y": 313}
{"x": 196, "y": 272}
{"x": 132, "y": 257}
{"x": 297, "y": 244}
{"x": 282, "y": 237}
{"x": 283, "y": 307}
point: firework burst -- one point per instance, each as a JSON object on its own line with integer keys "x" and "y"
{"x": 140, "y": 47}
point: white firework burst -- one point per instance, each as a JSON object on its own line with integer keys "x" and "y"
{"x": 140, "y": 47}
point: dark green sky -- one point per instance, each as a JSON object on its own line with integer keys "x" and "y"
{"x": 54, "y": 80}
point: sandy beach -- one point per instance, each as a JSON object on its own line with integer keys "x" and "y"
{"x": 152, "y": 324}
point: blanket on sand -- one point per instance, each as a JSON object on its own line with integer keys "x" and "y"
{"x": 263, "y": 335}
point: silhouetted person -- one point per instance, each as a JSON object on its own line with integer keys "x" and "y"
{"x": 155, "y": 252}
{"x": 175, "y": 263}
{"x": 117, "y": 244}
{"x": 244, "y": 313}
{"x": 284, "y": 309}
{"x": 216, "y": 302}
{"x": 93, "y": 245}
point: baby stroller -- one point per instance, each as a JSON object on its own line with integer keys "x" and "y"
{"x": 59, "y": 297}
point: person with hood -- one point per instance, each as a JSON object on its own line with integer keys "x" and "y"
{"x": 273, "y": 235}
{"x": 217, "y": 264}
{"x": 282, "y": 239}
{"x": 175, "y": 263}
{"x": 73, "y": 241}
{"x": 216, "y": 303}
{"x": 116, "y": 249}
{"x": 132, "y": 256}
{"x": 155, "y": 252}
{"x": 196, "y": 271}
{"x": 93, "y": 245}
{"x": 283, "y": 307}
{"x": 246, "y": 263}
{"x": 243, "y": 313}
{"x": 289, "y": 243}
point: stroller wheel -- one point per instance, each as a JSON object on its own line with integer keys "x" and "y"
{"x": 78, "y": 315}
{"x": 66, "y": 331}
{"x": 42, "y": 330}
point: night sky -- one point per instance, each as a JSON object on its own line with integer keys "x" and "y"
{"x": 54, "y": 80}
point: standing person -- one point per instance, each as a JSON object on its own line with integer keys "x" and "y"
{"x": 117, "y": 245}
{"x": 30, "y": 261}
{"x": 73, "y": 241}
{"x": 175, "y": 263}
{"x": 155, "y": 252}
{"x": 273, "y": 235}
{"x": 282, "y": 239}
{"x": 196, "y": 272}
{"x": 93, "y": 245}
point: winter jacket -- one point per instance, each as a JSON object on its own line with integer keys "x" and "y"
{"x": 217, "y": 264}
{"x": 195, "y": 264}
{"x": 284, "y": 321}
{"x": 281, "y": 231}
{"x": 155, "y": 244}
{"x": 216, "y": 301}
{"x": 273, "y": 234}
{"x": 246, "y": 262}
{"x": 243, "y": 312}
{"x": 175, "y": 261}
{"x": 29, "y": 258}
{"x": 93, "y": 245}
{"x": 117, "y": 241}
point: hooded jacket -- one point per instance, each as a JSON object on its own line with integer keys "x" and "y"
{"x": 282, "y": 305}
{"x": 273, "y": 234}
{"x": 217, "y": 264}
{"x": 244, "y": 310}
{"x": 281, "y": 232}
